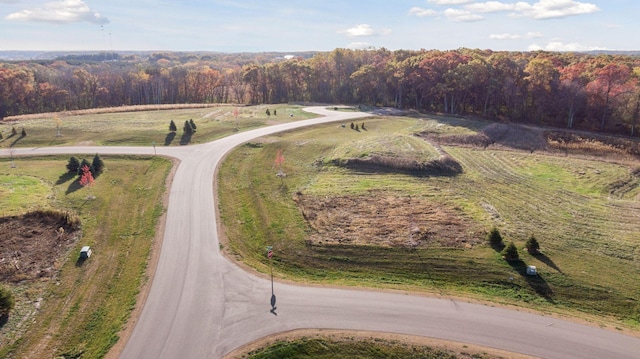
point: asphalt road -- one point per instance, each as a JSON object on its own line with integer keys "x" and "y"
{"x": 201, "y": 305}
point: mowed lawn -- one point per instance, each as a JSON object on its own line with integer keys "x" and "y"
{"x": 143, "y": 128}
{"x": 590, "y": 248}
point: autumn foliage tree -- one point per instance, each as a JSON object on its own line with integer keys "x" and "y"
{"x": 86, "y": 179}
{"x": 576, "y": 90}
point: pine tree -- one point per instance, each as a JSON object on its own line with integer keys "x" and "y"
{"x": 193, "y": 125}
{"x": 188, "y": 130}
{"x": 268, "y": 113}
{"x": 97, "y": 165}
{"x": 510, "y": 252}
{"x": 494, "y": 237}
{"x": 24, "y": 133}
{"x": 73, "y": 166}
{"x": 172, "y": 126}
{"x": 532, "y": 245}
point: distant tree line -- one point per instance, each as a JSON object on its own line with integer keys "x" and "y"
{"x": 575, "y": 90}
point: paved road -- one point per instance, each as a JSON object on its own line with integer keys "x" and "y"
{"x": 201, "y": 305}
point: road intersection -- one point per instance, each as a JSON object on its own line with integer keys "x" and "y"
{"x": 202, "y": 305}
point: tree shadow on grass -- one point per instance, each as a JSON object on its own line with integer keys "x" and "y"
{"x": 65, "y": 177}
{"x": 536, "y": 282}
{"x": 498, "y": 247}
{"x": 169, "y": 138}
{"x": 80, "y": 261}
{"x": 546, "y": 260}
{"x": 16, "y": 140}
{"x": 185, "y": 139}
{"x": 73, "y": 186}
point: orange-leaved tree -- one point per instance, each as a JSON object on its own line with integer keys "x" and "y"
{"x": 86, "y": 179}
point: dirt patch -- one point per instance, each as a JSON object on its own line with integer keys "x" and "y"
{"x": 31, "y": 245}
{"x": 527, "y": 138}
{"x": 497, "y": 136}
{"x": 384, "y": 219}
{"x": 443, "y": 166}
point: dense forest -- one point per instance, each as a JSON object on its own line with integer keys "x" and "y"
{"x": 599, "y": 92}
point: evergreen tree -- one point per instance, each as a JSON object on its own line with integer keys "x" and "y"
{"x": 532, "y": 245}
{"x": 268, "y": 113}
{"x": 73, "y": 166}
{"x": 172, "y": 127}
{"x": 13, "y": 131}
{"x": 97, "y": 165}
{"x": 188, "y": 130}
{"x": 24, "y": 133}
{"x": 7, "y": 302}
{"x": 274, "y": 112}
{"x": 510, "y": 252}
{"x": 0, "y": 135}
{"x": 494, "y": 237}
{"x": 193, "y": 125}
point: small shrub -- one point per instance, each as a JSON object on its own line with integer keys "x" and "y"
{"x": 532, "y": 245}
{"x": 172, "y": 127}
{"x": 268, "y": 113}
{"x": 510, "y": 252}
{"x": 24, "y": 133}
{"x": 193, "y": 125}
{"x": 7, "y": 302}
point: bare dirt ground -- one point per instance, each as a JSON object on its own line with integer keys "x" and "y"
{"x": 381, "y": 218}
{"x": 33, "y": 245}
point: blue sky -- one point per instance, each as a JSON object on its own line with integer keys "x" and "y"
{"x": 318, "y": 25}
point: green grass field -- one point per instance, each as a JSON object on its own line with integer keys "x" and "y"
{"x": 143, "y": 128}
{"x": 590, "y": 261}
{"x": 84, "y": 308}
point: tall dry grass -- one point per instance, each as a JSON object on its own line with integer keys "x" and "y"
{"x": 93, "y": 111}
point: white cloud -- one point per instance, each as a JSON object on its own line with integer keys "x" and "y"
{"x": 458, "y": 15}
{"x": 363, "y": 30}
{"x": 543, "y": 9}
{"x": 560, "y": 46}
{"x": 65, "y": 11}
{"x": 449, "y": 2}
{"x": 420, "y": 12}
{"x": 507, "y": 36}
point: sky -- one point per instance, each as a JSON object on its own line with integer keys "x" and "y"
{"x": 318, "y": 25}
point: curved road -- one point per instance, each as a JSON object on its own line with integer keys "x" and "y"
{"x": 201, "y": 305}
